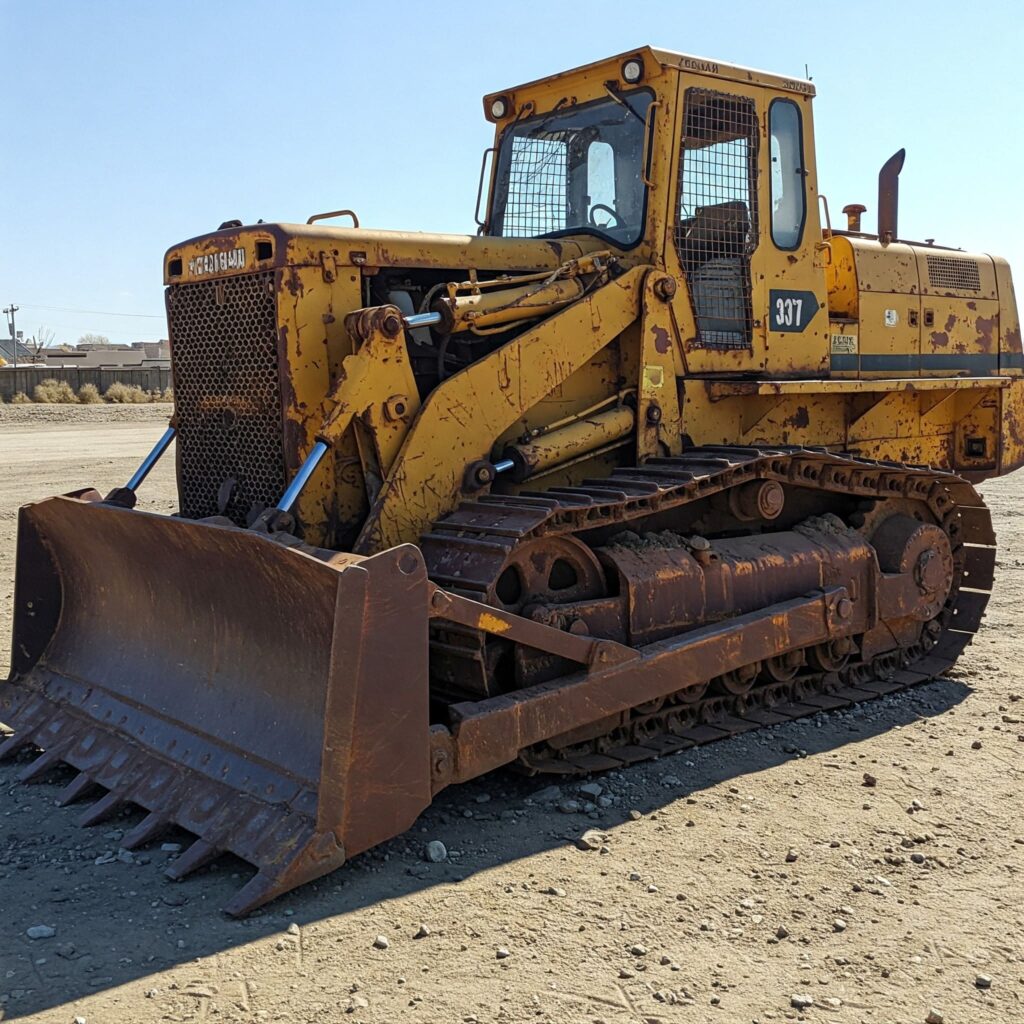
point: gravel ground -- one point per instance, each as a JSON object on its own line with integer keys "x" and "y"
{"x": 759, "y": 879}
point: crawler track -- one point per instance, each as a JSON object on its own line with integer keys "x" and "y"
{"x": 466, "y": 553}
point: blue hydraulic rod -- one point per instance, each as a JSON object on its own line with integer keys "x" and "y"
{"x": 302, "y": 477}
{"x": 151, "y": 460}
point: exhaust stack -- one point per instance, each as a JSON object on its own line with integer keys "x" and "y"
{"x": 889, "y": 197}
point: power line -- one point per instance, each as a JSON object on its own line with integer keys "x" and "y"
{"x": 93, "y": 312}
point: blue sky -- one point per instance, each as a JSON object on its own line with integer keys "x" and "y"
{"x": 130, "y": 126}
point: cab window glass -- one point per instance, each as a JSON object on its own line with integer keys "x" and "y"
{"x": 787, "y": 174}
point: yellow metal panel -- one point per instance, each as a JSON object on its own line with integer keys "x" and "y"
{"x": 461, "y": 420}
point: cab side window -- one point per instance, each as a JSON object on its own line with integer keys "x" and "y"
{"x": 788, "y": 194}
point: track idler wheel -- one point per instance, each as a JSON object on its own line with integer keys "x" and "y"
{"x": 830, "y": 656}
{"x": 739, "y": 680}
{"x": 782, "y": 667}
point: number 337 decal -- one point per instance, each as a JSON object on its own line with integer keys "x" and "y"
{"x": 791, "y": 311}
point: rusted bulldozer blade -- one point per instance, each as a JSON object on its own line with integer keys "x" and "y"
{"x": 270, "y": 702}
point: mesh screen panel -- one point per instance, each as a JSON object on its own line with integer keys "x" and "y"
{"x": 227, "y": 395}
{"x": 949, "y": 272}
{"x": 716, "y": 229}
{"x": 536, "y": 187}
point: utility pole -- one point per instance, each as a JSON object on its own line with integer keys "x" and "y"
{"x": 10, "y": 311}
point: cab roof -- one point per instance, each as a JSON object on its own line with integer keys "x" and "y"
{"x": 668, "y": 59}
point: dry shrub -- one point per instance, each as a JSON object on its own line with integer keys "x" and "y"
{"x": 20, "y": 398}
{"x": 89, "y": 394}
{"x": 54, "y": 392}
{"x": 126, "y": 394}
{"x": 168, "y": 395}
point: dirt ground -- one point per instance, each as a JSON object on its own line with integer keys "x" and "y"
{"x": 739, "y": 879}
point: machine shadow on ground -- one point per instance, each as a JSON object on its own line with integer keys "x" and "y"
{"x": 151, "y": 915}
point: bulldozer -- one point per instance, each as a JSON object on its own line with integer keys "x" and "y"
{"x": 657, "y": 456}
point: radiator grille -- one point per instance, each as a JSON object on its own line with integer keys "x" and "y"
{"x": 949, "y": 272}
{"x": 227, "y": 396}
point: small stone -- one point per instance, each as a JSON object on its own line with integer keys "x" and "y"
{"x": 548, "y": 795}
{"x": 79, "y": 1020}
{"x": 869, "y": 780}
{"x": 483, "y": 798}
{"x": 174, "y": 899}
{"x": 934, "y": 1017}
{"x": 976, "y": 745}
{"x": 833, "y": 1002}
{"x": 41, "y": 931}
{"x": 422, "y": 932}
{"x": 782, "y": 932}
{"x": 170, "y": 847}
{"x": 592, "y": 839}
{"x": 569, "y": 806}
{"x": 983, "y": 981}
{"x": 125, "y": 856}
{"x": 501, "y": 953}
{"x": 634, "y": 876}
{"x": 554, "y": 890}
{"x": 624, "y": 972}
{"x": 652, "y": 888}
{"x": 381, "y": 942}
{"x": 917, "y": 858}
{"x": 293, "y": 929}
{"x": 638, "y": 950}
{"x": 801, "y": 1002}
{"x": 435, "y": 851}
{"x": 791, "y": 855}
{"x": 839, "y": 925}
{"x": 635, "y": 815}
{"x": 356, "y": 1003}
{"x": 592, "y": 789}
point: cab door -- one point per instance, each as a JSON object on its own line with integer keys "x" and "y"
{"x": 745, "y": 232}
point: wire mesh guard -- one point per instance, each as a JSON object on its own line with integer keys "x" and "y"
{"x": 717, "y": 227}
{"x": 954, "y": 272}
{"x": 536, "y": 186}
{"x": 227, "y": 396}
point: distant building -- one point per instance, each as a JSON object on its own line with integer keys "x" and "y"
{"x": 7, "y": 351}
{"x": 138, "y": 353}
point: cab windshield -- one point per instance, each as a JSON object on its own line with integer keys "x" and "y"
{"x": 575, "y": 169}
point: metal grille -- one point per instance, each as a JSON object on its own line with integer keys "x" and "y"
{"x": 717, "y": 227}
{"x": 536, "y": 186}
{"x": 949, "y": 272}
{"x": 227, "y": 396}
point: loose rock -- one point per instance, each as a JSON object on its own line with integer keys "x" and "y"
{"x": 381, "y": 942}
{"x": 983, "y": 981}
{"x": 41, "y": 931}
{"x": 422, "y": 932}
{"x": 435, "y": 851}
{"x": 501, "y": 953}
{"x": 801, "y": 1002}
{"x": 934, "y": 1017}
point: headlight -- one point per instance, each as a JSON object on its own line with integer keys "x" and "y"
{"x": 633, "y": 70}
{"x": 499, "y": 107}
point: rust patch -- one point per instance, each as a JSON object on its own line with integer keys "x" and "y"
{"x": 986, "y": 327}
{"x": 972, "y": 305}
{"x": 1013, "y": 340}
{"x": 661, "y": 340}
{"x": 939, "y": 339}
{"x": 800, "y": 418}
{"x": 292, "y": 280}
{"x": 951, "y": 322}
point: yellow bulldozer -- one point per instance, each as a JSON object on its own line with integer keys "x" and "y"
{"x": 657, "y": 456}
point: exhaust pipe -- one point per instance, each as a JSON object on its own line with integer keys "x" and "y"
{"x": 889, "y": 197}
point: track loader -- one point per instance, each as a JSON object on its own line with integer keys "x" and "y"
{"x": 658, "y": 456}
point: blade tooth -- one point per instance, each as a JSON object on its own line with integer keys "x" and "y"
{"x": 199, "y": 853}
{"x": 75, "y": 789}
{"x": 102, "y": 810}
{"x": 146, "y": 831}
{"x": 41, "y": 765}
{"x": 260, "y": 889}
{"x": 13, "y": 744}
